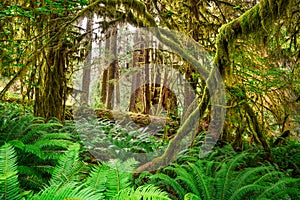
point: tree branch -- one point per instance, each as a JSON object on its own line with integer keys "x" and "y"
{"x": 256, "y": 20}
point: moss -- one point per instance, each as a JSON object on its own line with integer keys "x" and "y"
{"x": 250, "y": 21}
{"x": 257, "y": 20}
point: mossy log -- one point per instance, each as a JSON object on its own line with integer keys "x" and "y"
{"x": 153, "y": 123}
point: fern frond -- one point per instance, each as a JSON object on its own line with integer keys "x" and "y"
{"x": 292, "y": 192}
{"x": 210, "y": 167}
{"x": 147, "y": 192}
{"x": 119, "y": 176}
{"x": 187, "y": 178}
{"x": 97, "y": 178}
{"x": 68, "y": 191}
{"x": 33, "y": 178}
{"x": 268, "y": 176}
{"x": 241, "y": 192}
{"x": 249, "y": 174}
{"x": 203, "y": 182}
{"x": 224, "y": 175}
{"x": 68, "y": 167}
{"x": 9, "y": 184}
{"x": 191, "y": 196}
{"x": 170, "y": 182}
{"x": 45, "y": 142}
{"x": 277, "y": 186}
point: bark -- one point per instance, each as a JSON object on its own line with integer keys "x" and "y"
{"x": 50, "y": 99}
{"x": 112, "y": 69}
{"x": 118, "y": 95}
{"x": 104, "y": 86}
{"x": 105, "y": 77}
{"x": 136, "y": 98}
{"x": 147, "y": 80}
{"x": 86, "y": 77}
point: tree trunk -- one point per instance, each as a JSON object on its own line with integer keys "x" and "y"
{"x": 105, "y": 76}
{"x": 104, "y": 87}
{"x": 147, "y": 81}
{"x": 86, "y": 77}
{"x": 51, "y": 96}
{"x": 112, "y": 68}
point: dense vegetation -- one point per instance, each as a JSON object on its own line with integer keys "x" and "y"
{"x": 95, "y": 106}
{"x": 44, "y": 160}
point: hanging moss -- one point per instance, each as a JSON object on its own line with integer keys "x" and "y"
{"x": 250, "y": 21}
{"x": 257, "y": 21}
{"x": 139, "y": 10}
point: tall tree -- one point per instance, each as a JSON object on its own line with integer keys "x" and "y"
{"x": 86, "y": 77}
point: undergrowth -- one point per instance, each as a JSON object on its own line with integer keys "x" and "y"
{"x": 48, "y": 160}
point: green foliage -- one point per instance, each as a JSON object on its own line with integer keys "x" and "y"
{"x": 111, "y": 177}
{"x": 69, "y": 180}
{"x": 191, "y": 196}
{"x": 229, "y": 179}
{"x": 38, "y": 144}
{"x": 107, "y": 140}
{"x": 67, "y": 191}
{"x": 147, "y": 192}
{"x": 66, "y": 177}
{"x": 9, "y": 185}
{"x": 107, "y": 181}
{"x": 69, "y": 167}
{"x": 224, "y": 174}
{"x": 287, "y": 158}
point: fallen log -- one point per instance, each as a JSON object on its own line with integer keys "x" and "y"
{"x": 154, "y": 124}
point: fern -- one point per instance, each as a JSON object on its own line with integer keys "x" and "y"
{"x": 9, "y": 184}
{"x": 148, "y": 192}
{"x": 228, "y": 180}
{"x": 69, "y": 167}
{"x": 203, "y": 181}
{"x": 119, "y": 176}
{"x": 67, "y": 191}
{"x": 224, "y": 176}
{"x": 279, "y": 187}
{"x": 107, "y": 181}
{"x": 241, "y": 192}
{"x": 97, "y": 179}
{"x": 111, "y": 178}
{"x": 115, "y": 141}
{"x": 38, "y": 144}
{"x": 167, "y": 180}
{"x": 187, "y": 179}
{"x": 191, "y": 196}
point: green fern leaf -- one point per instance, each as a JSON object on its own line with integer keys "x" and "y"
{"x": 148, "y": 192}
{"x": 202, "y": 181}
{"x": 9, "y": 184}
{"x": 187, "y": 178}
{"x": 241, "y": 192}
{"x": 97, "y": 179}
{"x": 119, "y": 176}
{"x": 68, "y": 167}
{"x": 68, "y": 191}
{"x": 170, "y": 182}
{"x": 224, "y": 177}
{"x": 191, "y": 196}
{"x": 277, "y": 186}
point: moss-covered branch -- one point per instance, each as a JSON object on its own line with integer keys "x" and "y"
{"x": 256, "y": 20}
